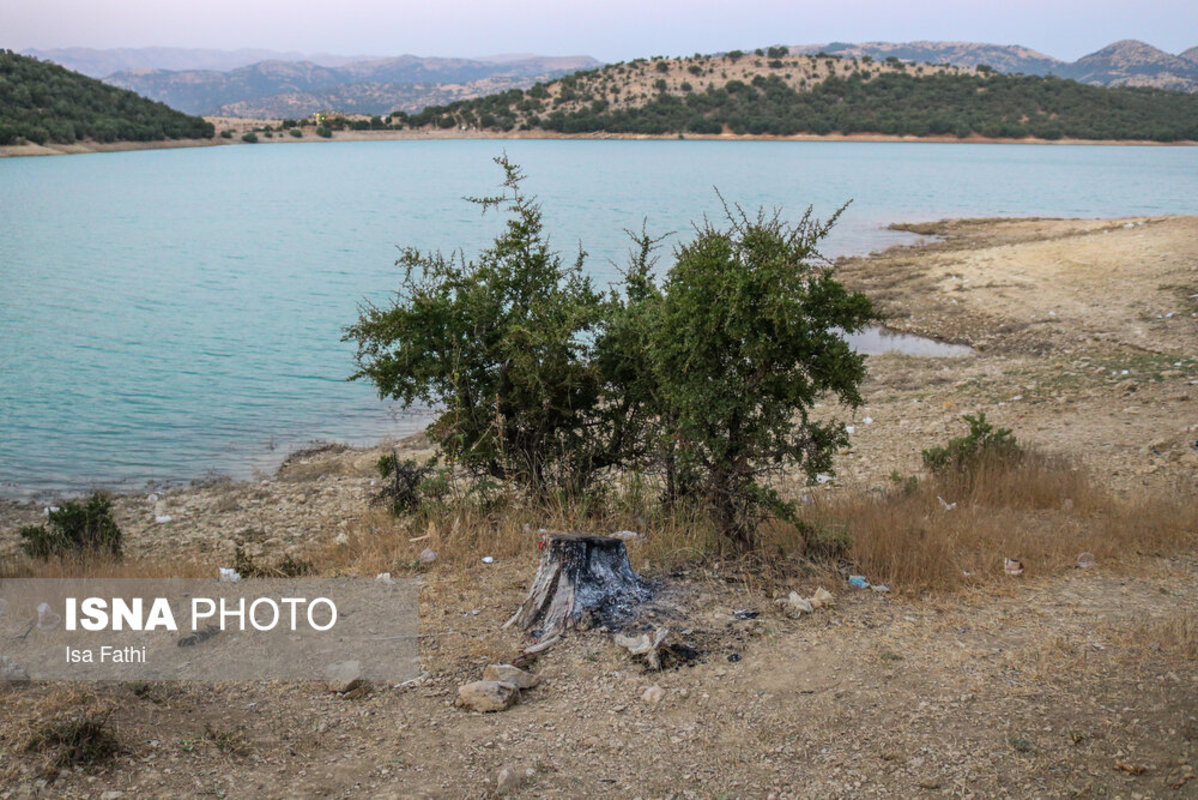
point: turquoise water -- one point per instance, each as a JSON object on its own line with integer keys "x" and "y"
{"x": 168, "y": 313}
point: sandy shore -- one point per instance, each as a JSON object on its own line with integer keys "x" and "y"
{"x": 240, "y": 126}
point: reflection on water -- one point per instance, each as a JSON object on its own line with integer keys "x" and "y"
{"x": 874, "y": 341}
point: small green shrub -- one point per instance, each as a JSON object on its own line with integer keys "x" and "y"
{"x": 964, "y": 453}
{"x": 403, "y": 482}
{"x": 226, "y": 134}
{"x": 324, "y": 131}
{"x": 296, "y": 132}
{"x": 249, "y": 137}
{"x": 75, "y": 528}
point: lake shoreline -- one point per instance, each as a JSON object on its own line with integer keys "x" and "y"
{"x": 1058, "y": 358}
{"x": 242, "y": 126}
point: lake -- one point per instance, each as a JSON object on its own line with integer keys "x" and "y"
{"x": 169, "y": 313}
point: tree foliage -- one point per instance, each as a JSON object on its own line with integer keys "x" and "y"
{"x": 707, "y": 379}
{"x": 42, "y": 102}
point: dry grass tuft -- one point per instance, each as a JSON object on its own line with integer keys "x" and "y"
{"x": 1041, "y": 510}
{"x": 73, "y": 730}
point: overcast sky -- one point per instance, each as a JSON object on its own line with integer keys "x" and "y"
{"x": 610, "y": 30}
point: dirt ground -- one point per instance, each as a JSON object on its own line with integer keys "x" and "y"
{"x": 1081, "y": 683}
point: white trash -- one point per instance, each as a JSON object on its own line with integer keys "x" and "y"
{"x": 488, "y": 560}
{"x": 229, "y": 575}
{"x": 46, "y": 618}
{"x": 162, "y": 519}
{"x": 1086, "y": 561}
{"x": 384, "y": 577}
{"x": 427, "y": 556}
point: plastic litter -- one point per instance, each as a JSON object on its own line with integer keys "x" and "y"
{"x": 46, "y": 618}
{"x": 868, "y": 420}
{"x": 744, "y": 613}
{"x": 162, "y": 519}
{"x": 229, "y": 575}
{"x": 1086, "y": 561}
{"x": 947, "y": 505}
{"x": 850, "y": 429}
{"x": 880, "y": 588}
{"x": 384, "y": 577}
{"x": 153, "y": 498}
{"x": 427, "y": 556}
{"x": 859, "y": 581}
{"x": 46, "y": 511}
{"x": 1012, "y": 566}
{"x": 821, "y": 478}
{"x": 488, "y": 560}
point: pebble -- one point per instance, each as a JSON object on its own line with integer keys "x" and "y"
{"x": 653, "y": 695}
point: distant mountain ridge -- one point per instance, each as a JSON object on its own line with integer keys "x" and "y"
{"x": 279, "y": 88}
{"x": 1124, "y": 63}
{"x": 102, "y": 63}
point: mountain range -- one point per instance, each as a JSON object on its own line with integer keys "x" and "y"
{"x": 272, "y": 84}
{"x": 1124, "y": 63}
{"x": 279, "y": 87}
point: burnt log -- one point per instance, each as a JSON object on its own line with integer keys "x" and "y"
{"x": 580, "y": 573}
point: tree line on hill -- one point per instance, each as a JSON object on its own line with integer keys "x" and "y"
{"x": 987, "y": 104}
{"x": 42, "y": 102}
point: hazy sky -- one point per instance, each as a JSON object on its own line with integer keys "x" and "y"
{"x": 610, "y": 30}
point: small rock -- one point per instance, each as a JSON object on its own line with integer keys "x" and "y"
{"x": 507, "y": 780}
{"x": 344, "y": 677}
{"x": 488, "y": 695}
{"x": 506, "y": 673}
{"x": 653, "y": 695}
{"x": 112, "y": 795}
{"x": 427, "y": 556}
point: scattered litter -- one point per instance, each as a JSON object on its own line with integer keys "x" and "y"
{"x": 46, "y": 618}
{"x": 643, "y": 645}
{"x": 1086, "y": 561}
{"x": 880, "y": 588}
{"x": 411, "y": 681}
{"x": 850, "y": 429}
{"x": 384, "y": 577}
{"x": 46, "y": 511}
{"x": 967, "y": 573}
{"x": 822, "y": 598}
{"x": 229, "y": 575}
{"x": 162, "y": 519}
{"x": 945, "y": 504}
{"x": 821, "y": 478}
{"x": 1016, "y": 398}
{"x": 868, "y": 420}
{"x": 733, "y": 658}
{"x": 859, "y": 581}
{"x": 488, "y": 560}
{"x": 805, "y": 498}
{"x": 1012, "y": 566}
{"x": 342, "y": 539}
{"x": 628, "y": 536}
{"x": 797, "y": 605}
{"x": 427, "y": 556}
{"x": 744, "y": 613}
{"x": 153, "y": 498}
{"x": 1124, "y": 372}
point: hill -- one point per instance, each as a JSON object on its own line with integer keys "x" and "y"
{"x": 1125, "y": 63}
{"x": 775, "y": 93}
{"x": 42, "y": 102}
{"x": 1133, "y": 63}
{"x": 377, "y": 86}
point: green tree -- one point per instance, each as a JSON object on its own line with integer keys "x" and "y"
{"x": 503, "y": 344}
{"x": 747, "y": 339}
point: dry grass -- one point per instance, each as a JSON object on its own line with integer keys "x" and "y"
{"x": 1041, "y": 510}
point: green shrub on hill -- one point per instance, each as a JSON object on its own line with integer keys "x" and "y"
{"x": 42, "y": 102}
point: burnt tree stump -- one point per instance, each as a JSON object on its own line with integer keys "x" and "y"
{"x": 580, "y": 573}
